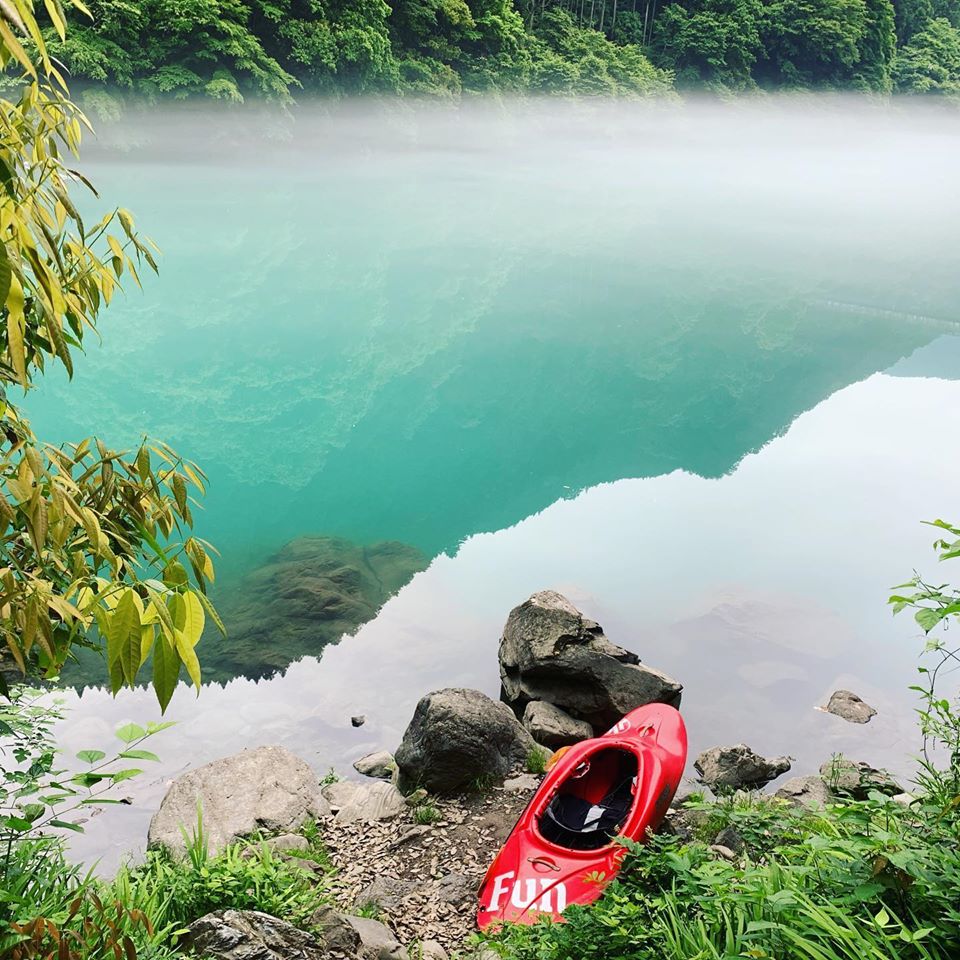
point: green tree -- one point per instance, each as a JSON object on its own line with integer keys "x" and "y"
{"x": 717, "y": 41}
{"x": 912, "y": 16}
{"x": 878, "y": 47}
{"x": 827, "y": 42}
{"x": 95, "y": 544}
{"x": 341, "y": 45}
{"x": 176, "y": 47}
{"x": 930, "y": 63}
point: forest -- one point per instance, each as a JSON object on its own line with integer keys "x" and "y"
{"x": 231, "y": 50}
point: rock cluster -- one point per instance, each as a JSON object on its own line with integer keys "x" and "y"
{"x": 562, "y": 681}
{"x": 551, "y": 654}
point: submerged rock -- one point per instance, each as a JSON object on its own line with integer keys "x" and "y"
{"x": 266, "y": 789}
{"x": 845, "y": 704}
{"x": 552, "y": 726}
{"x": 251, "y": 935}
{"x": 308, "y": 595}
{"x": 550, "y": 652}
{"x": 458, "y": 737}
{"x": 725, "y": 769}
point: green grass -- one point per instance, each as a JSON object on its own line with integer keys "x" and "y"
{"x": 537, "y": 760}
{"x": 426, "y": 814}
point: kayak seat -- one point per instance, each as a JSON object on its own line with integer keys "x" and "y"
{"x": 572, "y": 822}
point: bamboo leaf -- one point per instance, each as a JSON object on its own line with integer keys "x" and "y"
{"x": 5, "y": 273}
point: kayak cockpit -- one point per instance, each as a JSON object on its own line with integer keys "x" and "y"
{"x": 590, "y": 807}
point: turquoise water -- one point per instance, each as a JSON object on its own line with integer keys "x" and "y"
{"x": 693, "y": 366}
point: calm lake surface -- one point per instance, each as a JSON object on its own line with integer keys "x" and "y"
{"x": 696, "y": 367}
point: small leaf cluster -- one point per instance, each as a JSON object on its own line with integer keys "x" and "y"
{"x": 38, "y": 795}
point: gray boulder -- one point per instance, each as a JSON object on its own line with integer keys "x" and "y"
{"x": 552, "y": 726}
{"x": 808, "y": 791}
{"x": 854, "y": 778}
{"x": 251, "y": 935}
{"x": 725, "y": 769}
{"x": 845, "y": 704}
{"x": 457, "y": 737}
{"x": 549, "y": 651}
{"x": 372, "y": 801}
{"x": 380, "y": 765}
{"x": 267, "y": 789}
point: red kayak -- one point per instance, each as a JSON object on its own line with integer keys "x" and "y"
{"x": 563, "y": 849}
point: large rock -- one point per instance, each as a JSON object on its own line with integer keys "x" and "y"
{"x": 846, "y": 704}
{"x": 457, "y": 737}
{"x": 725, "y": 769}
{"x": 251, "y": 935}
{"x": 552, "y": 726}
{"x": 266, "y": 789}
{"x": 550, "y": 652}
{"x": 857, "y": 779}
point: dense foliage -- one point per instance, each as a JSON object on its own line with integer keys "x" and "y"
{"x": 863, "y": 879}
{"x": 95, "y": 546}
{"x": 230, "y": 49}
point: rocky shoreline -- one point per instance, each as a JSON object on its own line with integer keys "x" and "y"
{"x": 410, "y": 844}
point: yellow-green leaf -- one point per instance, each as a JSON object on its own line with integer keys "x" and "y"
{"x": 189, "y": 657}
{"x": 187, "y": 615}
{"x": 166, "y": 670}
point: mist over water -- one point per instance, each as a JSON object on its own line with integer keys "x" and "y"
{"x": 690, "y": 363}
